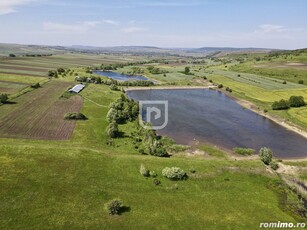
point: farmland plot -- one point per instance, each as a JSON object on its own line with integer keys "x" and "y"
{"x": 41, "y": 114}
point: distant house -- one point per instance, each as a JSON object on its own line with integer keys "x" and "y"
{"x": 77, "y": 88}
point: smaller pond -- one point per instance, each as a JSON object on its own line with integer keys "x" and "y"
{"x": 119, "y": 76}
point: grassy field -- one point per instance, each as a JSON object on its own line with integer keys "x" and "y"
{"x": 65, "y": 184}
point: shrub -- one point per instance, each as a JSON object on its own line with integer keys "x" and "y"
{"x": 266, "y": 155}
{"x": 114, "y": 87}
{"x": 114, "y": 206}
{"x": 156, "y": 182}
{"x": 187, "y": 70}
{"x": 112, "y": 130}
{"x": 284, "y": 82}
{"x": 4, "y": 98}
{"x": 144, "y": 172}
{"x": 174, "y": 173}
{"x": 301, "y": 82}
{"x": 192, "y": 170}
{"x": 296, "y": 101}
{"x": 244, "y": 151}
{"x": 280, "y": 105}
{"x": 35, "y": 86}
{"x": 220, "y": 86}
{"x": 75, "y": 116}
{"x": 153, "y": 174}
{"x": 274, "y": 165}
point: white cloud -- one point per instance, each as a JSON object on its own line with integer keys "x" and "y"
{"x": 111, "y": 22}
{"x": 9, "y": 6}
{"x": 270, "y": 28}
{"x": 133, "y": 29}
{"x": 70, "y": 28}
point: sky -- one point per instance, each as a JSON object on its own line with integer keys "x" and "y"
{"x": 164, "y": 23}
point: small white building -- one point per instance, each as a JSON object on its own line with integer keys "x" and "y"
{"x": 77, "y": 88}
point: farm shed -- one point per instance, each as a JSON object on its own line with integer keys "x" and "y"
{"x": 76, "y": 88}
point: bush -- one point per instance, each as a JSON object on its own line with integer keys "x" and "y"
{"x": 284, "y": 82}
{"x": 4, "y": 98}
{"x": 112, "y": 130}
{"x": 274, "y": 165}
{"x": 192, "y": 170}
{"x": 75, "y": 116}
{"x": 144, "y": 172}
{"x": 280, "y": 105}
{"x": 296, "y": 101}
{"x": 220, "y": 86}
{"x": 266, "y": 155}
{"x": 174, "y": 173}
{"x": 301, "y": 82}
{"x": 153, "y": 174}
{"x": 35, "y": 86}
{"x": 244, "y": 151}
{"x": 114, "y": 206}
{"x": 114, "y": 87}
{"x": 156, "y": 182}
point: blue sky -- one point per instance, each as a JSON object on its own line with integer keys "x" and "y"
{"x": 168, "y": 23}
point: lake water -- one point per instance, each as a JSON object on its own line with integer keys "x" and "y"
{"x": 119, "y": 76}
{"x": 210, "y": 116}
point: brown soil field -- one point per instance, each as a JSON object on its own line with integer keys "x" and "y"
{"x": 41, "y": 115}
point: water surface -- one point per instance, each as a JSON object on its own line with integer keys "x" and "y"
{"x": 211, "y": 116}
{"x": 119, "y": 76}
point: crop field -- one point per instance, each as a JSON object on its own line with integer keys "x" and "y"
{"x": 39, "y": 66}
{"x": 40, "y": 114}
{"x": 261, "y": 81}
{"x": 288, "y": 73}
{"x": 11, "y": 87}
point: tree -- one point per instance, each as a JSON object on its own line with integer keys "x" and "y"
{"x": 266, "y": 155}
{"x": 296, "y": 101}
{"x": 4, "y": 98}
{"x": 280, "y": 105}
{"x": 112, "y": 130}
{"x": 187, "y": 70}
{"x": 301, "y": 82}
{"x": 114, "y": 206}
{"x": 61, "y": 70}
{"x": 12, "y": 55}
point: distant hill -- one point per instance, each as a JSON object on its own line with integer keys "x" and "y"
{"x": 17, "y": 49}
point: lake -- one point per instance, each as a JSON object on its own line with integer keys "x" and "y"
{"x": 212, "y": 117}
{"x": 119, "y": 76}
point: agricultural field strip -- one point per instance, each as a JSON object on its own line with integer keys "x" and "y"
{"x": 21, "y": 74}
{"x": 21, "y": 79}
{"x": 23, "y": 67}
{"x": 11, "y": 87}
{"x": 23, "y": 71}
{"x": 29, "y": 114}
{"x": 265, "y": 82}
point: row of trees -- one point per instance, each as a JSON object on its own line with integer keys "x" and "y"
{"x": 294, "y": 101}
{"x": 99, "y": 80}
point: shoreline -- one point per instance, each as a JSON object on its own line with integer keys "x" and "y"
{"x": 278, "y": 120}
{"x": 244, "y": 103}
